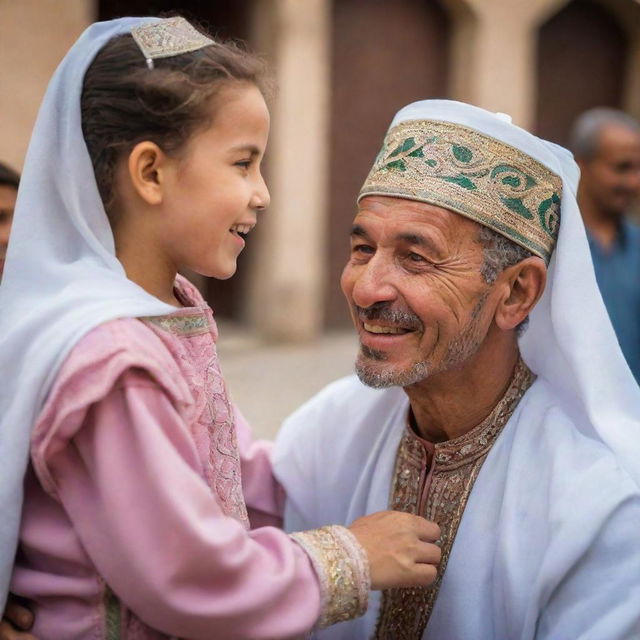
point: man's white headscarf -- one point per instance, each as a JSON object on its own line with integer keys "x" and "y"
{"x": 570, "y": 341}
{"x": 61, "y": 278}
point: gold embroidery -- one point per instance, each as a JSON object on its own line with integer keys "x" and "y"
{"x": 404, "y": 613}
{"x": 473, "y": 174}
{"x": 112, "y": 615}
{"x": 342, "y": 569}
{"x": 185, "y": 325}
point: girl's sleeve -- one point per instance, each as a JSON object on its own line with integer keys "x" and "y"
{"x": 263, "y": 494}
{"x": 128, "y": 480}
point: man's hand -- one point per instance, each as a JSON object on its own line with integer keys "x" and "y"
{"x": 16, "y": 621}
{"x": 399, "y": 547}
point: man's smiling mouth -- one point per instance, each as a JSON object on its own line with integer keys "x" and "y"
{"x": 376, "y": 328}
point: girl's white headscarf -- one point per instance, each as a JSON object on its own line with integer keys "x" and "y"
{"x": 61, "y": 277}
{"x": 570, "y": 341}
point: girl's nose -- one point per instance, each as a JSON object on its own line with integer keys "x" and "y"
{"x": 261, "y": 197}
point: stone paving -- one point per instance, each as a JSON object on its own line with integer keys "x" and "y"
{"x": 269, "y": 381}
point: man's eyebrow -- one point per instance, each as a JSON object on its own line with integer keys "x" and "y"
{"x": 419, "y": 241}
{"x": 359, "y": 231}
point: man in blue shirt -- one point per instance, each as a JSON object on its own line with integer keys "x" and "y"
{"x": 606, "y": 145}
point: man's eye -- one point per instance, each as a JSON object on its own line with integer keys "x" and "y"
{"x": 415, "y": 257}
{"x": 362, "y": 249}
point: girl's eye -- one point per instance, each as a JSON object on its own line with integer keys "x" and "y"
{"x": 244, "y": 164}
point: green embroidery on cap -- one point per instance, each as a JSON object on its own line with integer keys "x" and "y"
{"x": 473, "y": 174}
{"x": 514, "y": 177}
{"x": 409, "y": 143}
{"x": 549, "y": 215}
{"x": 517, "y": 206}
{"x": 396, "y": 164}
{"x": 464, "y": 154}
{"x": 461, "y": 181}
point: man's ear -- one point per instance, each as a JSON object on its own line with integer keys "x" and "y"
{"x": 147, "y": 165}
{"x": 525, "y": 282}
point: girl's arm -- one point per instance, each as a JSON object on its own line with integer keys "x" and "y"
{"x": 264, "y": 495}
{"x": 128, "y": 479}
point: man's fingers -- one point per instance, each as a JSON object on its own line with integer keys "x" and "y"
{"x": 19, "y": 616}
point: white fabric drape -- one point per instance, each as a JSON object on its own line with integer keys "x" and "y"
{"x": 548, "y": 544}
{"x": 61, "y": 277}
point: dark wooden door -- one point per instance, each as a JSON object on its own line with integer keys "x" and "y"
{"x": 582, "y": 53}
{"x": 384, "y": 56}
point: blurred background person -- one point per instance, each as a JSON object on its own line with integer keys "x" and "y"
{"x": 9, "y": 181}
{"x": 606, "y": 144}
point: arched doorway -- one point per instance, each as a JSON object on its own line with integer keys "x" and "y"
{"x": 385, "y": 55}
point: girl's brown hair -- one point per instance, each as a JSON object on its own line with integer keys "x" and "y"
{"x": 123, "y": 102}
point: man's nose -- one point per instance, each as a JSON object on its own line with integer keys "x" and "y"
{"x": 374, "y": 283}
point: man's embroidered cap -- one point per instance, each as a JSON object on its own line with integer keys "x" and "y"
{"x": 169, "y": 37}
{"x": 459, "y": 168}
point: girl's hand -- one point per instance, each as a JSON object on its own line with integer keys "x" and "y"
{"x": 400, "y": 548}
{"x": 16, "y": 621}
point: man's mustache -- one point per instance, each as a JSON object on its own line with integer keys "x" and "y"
{"x": 383, "y": 311}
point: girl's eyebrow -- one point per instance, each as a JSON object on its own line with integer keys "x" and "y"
{"x": 251, "y": 148}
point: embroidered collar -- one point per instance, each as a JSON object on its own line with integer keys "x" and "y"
{"x": 475, "y": 443}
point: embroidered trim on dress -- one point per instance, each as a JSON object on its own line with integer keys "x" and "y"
{"x": 113, "y": 623}
{"x": 404, "y": 613}
{"x": 184, "y": 325}
{"x": 342, "y": 568}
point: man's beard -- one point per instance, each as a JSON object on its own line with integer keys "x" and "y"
{"x": 460, "y": 349}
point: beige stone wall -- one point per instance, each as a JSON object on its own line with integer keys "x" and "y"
{"x": 34, "y": 36}
{"x": 289, "y": 269}
{"x": 494, "y": 53}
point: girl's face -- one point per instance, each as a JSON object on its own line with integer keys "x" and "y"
{"x": 213, "y": 196}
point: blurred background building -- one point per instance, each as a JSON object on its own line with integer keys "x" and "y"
{"x": 343, "y": 68}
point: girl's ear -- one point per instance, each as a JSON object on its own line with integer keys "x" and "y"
{"x": 525, "y": 283}
{"x": 146, "y": 165}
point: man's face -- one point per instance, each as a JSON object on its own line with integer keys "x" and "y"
{"x": 8, "y": 196}
{"x": 612, "y": 176}
{"x": 413, "y": 283}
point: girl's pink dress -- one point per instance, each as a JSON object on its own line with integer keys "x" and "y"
{"x": 134, "y": 516}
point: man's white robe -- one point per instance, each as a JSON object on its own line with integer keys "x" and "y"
{"x": 549, "y": 544}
